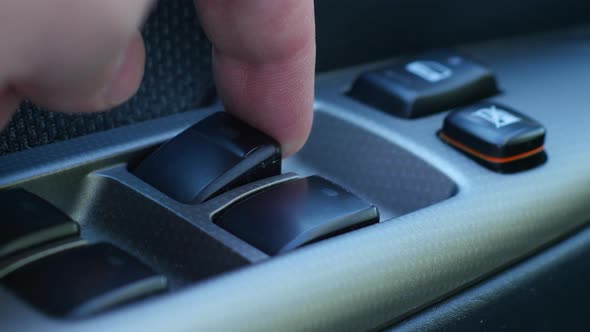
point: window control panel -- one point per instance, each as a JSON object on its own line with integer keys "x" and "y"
{"x": 29, "y": 221}
{"x": 83, "y": 280}
{"x": 296, "y": 213}
{"x": 428, "y": 83}
{"x": 213, "y": 156}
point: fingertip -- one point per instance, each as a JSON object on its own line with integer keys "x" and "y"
{"x": 292, "y": 147}
{"x": 294, "y": 138}
{"x": 267, "y": 81}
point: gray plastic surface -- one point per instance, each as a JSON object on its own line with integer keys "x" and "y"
{"x": 378, "y": 275}
{"x": 177, "y": 239}
{"x": 374, "y": 167}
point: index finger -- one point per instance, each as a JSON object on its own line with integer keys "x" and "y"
{"x": 264, "y": 63}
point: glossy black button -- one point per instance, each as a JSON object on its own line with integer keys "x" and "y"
{"x": 431, "y": 82}
{"x": 28, "y": 221}
{"x": 296, "y": 213}
{"x": 496, "y": 136}
{"x": 83, "y": 280}
{"x": 213, "y": 156}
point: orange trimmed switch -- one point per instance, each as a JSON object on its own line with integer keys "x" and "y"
{"x": 496, "y": 136}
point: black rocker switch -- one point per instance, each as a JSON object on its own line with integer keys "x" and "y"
{"x": 213, "y": 156}
{"x": 428, "y": 83}
{"x": 28, "y": 221}
{"x": 296, "y": 213}
{"x": 83, "y": 281}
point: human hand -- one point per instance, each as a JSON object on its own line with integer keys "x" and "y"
{"x": 79, "y": 56}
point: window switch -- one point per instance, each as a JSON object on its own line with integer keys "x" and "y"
{"x": 83, "y": 280}
{"x": 496, "y": 136}
{"x": 429, "y": 83}
{"x": 28, "y": 221}
{"x": 296, "y": 213}
{"x": 211, "y": 157}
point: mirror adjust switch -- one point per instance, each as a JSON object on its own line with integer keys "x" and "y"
{"x": 28, "y": 221}
{"x": 496, "y": 136}
{"x": 296, "y": 213}
{"x": 432, "y": 82}
{"x": 213, "y": 156}
{"x": 83, "y": 280}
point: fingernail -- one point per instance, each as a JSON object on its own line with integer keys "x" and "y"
{"x": 128, "y": 74}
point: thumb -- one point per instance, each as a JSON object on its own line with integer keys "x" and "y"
{"x": 70, "y": 55}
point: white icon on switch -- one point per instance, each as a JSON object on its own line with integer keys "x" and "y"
{"x": 497, "y": 116}
{"x": 430, "y": 71}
